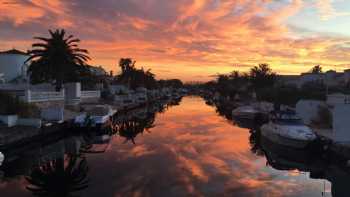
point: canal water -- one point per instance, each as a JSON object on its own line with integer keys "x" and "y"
{"x": 183, "y": 149}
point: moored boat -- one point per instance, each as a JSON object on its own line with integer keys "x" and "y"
{"x": 286, "y": 128}
{"x": 246, "y": 112}
{"x": 97, "y": 116}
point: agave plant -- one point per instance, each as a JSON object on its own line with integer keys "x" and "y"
{"x": 56, "y": 59}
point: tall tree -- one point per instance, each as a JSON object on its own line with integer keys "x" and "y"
{"x": 56, "y": 59}
{"x": 316, "y": 69}
{"x": 126, "y": 65}
{"x": 262, "y": 76}
{"x": 135, "y": 77}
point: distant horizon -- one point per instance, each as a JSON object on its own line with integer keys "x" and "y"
{"x": 191, "y": 40}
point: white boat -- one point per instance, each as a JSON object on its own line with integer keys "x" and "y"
{"x": 287, "y": 129}
{"x": 2, "y": 158}
{"x": 245, "y": 112}
{"x": 96, "y": 115}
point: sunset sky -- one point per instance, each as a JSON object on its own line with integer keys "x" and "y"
{"x": 191, "y": 39}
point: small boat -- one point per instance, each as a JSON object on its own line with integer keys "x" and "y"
{"x": 2, "y": 158}
{"x": 246, "y": 112}
{"x": 96, "y": 116}
{"x": 286, "y": 128}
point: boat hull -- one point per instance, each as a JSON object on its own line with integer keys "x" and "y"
{"x": 245, "y": 115}
{"x": 283, "y": 140}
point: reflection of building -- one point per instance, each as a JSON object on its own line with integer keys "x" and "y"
{"x": 12, "y": 65}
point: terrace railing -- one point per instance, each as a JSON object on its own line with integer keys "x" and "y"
{"x": 90, "y": 94}
{"x": 39, "y": 96}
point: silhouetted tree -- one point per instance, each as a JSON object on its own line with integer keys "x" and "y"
{"x": 133, "y": 77}
{"x": 56, "y": 59}
{"x": 262, "y": 76}
{"x": 316, "y": 69}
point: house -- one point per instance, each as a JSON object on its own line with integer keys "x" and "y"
{"x": 310, "y": 77}
{"x": 338, "y": 99}
{"x": 97, "y": 70}
{"x": 13, "y": 66}
{"x": 292, "y": 80}
{"x": 329, "y": 78}
{"x": 119, "y": 89}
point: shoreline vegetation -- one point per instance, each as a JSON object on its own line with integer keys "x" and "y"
{"x": 263, "y": 84}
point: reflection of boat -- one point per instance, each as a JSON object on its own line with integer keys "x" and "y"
{"x": 278, "y": 154}
{"x": 287, "y": 129}
{"x": 284, "y": 158}
{"x": 2, "y": 158}
{"x": 294, "y": 160}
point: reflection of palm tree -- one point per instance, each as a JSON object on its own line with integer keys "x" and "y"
{"x": 174, "y": 102}
{"x": 59, "y": 178}
{"x": 131, "y": 128}
{"x": 254, "y": 140}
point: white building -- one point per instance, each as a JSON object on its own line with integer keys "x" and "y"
{"x": 338, "y": 99}
{"x": 98, "y": 70}
{"x": 329, "y": 78}
{"x": 119, "y": 89}
{"x": 12, "y": 65}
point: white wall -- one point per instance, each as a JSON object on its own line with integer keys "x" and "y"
{"x": 115, "y": 89}
{"x": 341, "y": 123}
{"x": 12, "y": 65}
{"x": 338, "y": 99}
{"x": 307, "y": 110}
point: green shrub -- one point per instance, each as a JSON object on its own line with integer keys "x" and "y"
{"x": 11, "y": 105}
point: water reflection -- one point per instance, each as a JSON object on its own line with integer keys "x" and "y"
{"x": 59, "y": 167}
{"x": 313, "y": 162}
{"x": 129, "y": 129}
{"x": 59, "y": 177}
{"x": 178, "y": 149}
{"x": 254, "y": 140}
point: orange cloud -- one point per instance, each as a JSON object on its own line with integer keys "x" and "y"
{"x": 191, "y": 40}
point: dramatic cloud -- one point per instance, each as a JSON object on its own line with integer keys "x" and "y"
{"x": 187, "y": 38}
{"x": 327, "y": 10}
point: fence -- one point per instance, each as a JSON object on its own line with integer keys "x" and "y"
{"x": 90, "y": 94}
{"x": 32, "y": 97}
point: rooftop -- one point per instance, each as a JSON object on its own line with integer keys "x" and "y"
{"x": 14, "y": 51}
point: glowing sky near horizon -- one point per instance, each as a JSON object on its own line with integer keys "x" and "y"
{"x": 191, "y": 39}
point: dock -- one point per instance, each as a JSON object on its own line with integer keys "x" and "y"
{"x": 18, "y": 135}
{"x": 338, "y": 150}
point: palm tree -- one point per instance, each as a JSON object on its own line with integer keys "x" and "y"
{"x": 59, "y": 178}
{"x": 126, "y": 64}
{"x": 262, "y": 76}
{"x": 316, "y": 69}
{"x": 56, "y": 59}
{"x": 135, "y": 77}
